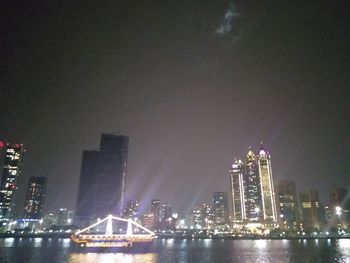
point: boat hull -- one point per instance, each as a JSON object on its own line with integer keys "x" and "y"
{"x": 102, "y": 242}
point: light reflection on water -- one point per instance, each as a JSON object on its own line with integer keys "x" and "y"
{"x": 38, "y": 250}
{"x": 9, "y": 242}
{"x": 37, "y": 241}
{"x": 344, "y": 247}
{"x": 112, "y": 257}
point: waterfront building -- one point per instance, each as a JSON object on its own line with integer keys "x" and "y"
{"x": 311, "y": 210}
{"x": 35, "y": 198}
{"x": 328, "y": 214}
{"x": 208, "y": 215}
{"x": 131, "y": 209}
{"x": 111, "y": 175}
{"x": 86, "y": 194}
{"x": 252, "y": 188}
{"x": 12, "y": 167}
{"x": 148, "y": 221}
{"x": 49, "y": 220}
{"x": 197, "y": 218}
{"x": 166, "y": 212}
{"x": 156, "y": 211}
{"x": 340, "y": 206}
{"x": 64, "y": 217}
{"x": 220, "y": 211}
{"x": 288, "y": 204}
{"x": 237, "y": 193}
{"x": 269, "y": 213}
{"x": 167, "y": 220}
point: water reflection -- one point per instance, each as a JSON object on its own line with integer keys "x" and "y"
{"x": 344, "y": 246}
{"x": 112, "y": 257}
{"x": 9, "y": 242}
{"x": 37, "y": 241}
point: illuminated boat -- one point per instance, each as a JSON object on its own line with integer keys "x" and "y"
{"x": 89, "y": 239}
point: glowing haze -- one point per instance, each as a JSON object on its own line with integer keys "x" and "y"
{"x": 192, "y": 83}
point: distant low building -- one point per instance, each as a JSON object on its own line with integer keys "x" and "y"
{"x": 288, "y": 204}
{"x": 148, "y": 221}
{"x": 311, "y": 208}
{"x": 131, "y": 209}
{"x": 220, "y": 211}
{"x": 65, "y": 217}
{"x": 340, "y": 207}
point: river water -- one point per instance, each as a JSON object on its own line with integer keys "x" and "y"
{"x": 40, "y": 250}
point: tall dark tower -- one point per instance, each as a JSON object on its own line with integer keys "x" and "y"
{"x": 35, "y": 197}
{"x": 86, "y": 195}
{"x": 111, "y": 175}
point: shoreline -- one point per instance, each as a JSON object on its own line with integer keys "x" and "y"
{"x": 181, "y": 237}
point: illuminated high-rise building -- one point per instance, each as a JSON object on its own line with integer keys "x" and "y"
{"x": 237, "y": 192}
{"x": 130, "y": 209}
{"x": 197, "y": 218}
{"x": 166, "y": 212}
{"x": 35, "y": 197}
{"x": 269, "y": 213}
{"x": 156, "y": 208}
{"x": 208, "y": 215}
{"x": 12, "y": 167}
{"x": 253, "y": 205}
{"x": 111, "y": 175}
{"x": 220, "y": 211}
{"x": 288, "y": 204}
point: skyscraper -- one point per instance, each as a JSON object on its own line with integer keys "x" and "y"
{"x": 87, "y": 182}
{"x": 102, "y": 178}
{"x": 220, "y": 210}
{"x": 156, "y": 208}
{"x": 252, "y": 189}
{"x": 269, "y": 212}
{"x": 12, "y": 167}
{"x": 35, "y": 197}
{"x": 237, "y": 192}
{"x": 111, "y": 174}
{"x": 288, "y": 204}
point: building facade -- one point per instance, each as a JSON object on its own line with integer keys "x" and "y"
{"x": 12, "y": 168}
{"x": 35, "y": 197}
{"x": 252, "y": 188}
{"x": 237, "y": 192}
{"x": 103, "y": 179}
{"x": 87, "y": 183}
{"x": 311, "y": 210}
{"x": 111, "y": 175}
{"x": 288, "y": 204}
{"x": 220, "y": 211}
{"x": 269, "y": 212}
{"x": 252, "y": 193}
{"x": 340, "y": 207}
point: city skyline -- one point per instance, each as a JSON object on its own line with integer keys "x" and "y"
{"x": 191, "y": 87}
{"x": 246, "y": 185}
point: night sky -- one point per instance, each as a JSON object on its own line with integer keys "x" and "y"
{"x": 192, "y": 83}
